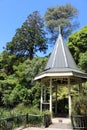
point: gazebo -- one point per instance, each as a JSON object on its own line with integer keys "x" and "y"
{"x": 60, "y": 69}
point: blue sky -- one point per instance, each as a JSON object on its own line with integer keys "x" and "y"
{"x": 14, "y": 12}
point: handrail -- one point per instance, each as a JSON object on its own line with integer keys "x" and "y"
{"x": 25, "y": 119}
{"x": 79, "y": 122}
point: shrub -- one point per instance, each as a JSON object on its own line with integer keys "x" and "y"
{"x": 79, "y": 105}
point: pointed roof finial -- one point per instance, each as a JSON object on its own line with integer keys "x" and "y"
{"x": 59, "y": 29}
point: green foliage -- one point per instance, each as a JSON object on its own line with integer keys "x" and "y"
{"x": 83, "y": 61}
{"x": 19, "y": 115}
{"x": 19, "y": 109}
{"x": 77, "y": 44}
{"x": 6, "y": 62}
{"x": 19, "y": 86}
{"x": 5, "y": 113}
{"x": 6, "y": 86}
{"x": 22, "y": 109}
{"x": 79, "y": 105}
{"x": 30, "y": 38}
{"x": 63, "y": 16}
{"x": 63, "y": 92}
{"x": 36, "y": 90}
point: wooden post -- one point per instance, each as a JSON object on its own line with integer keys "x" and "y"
{"x": 80, "y": 88}
{"x": 56, "y": 102}
{"x": 44, "y": 94}
{"x": 69, "y": 97}
{"x": 50, "y": 95}
{"x": 41, "y": 98}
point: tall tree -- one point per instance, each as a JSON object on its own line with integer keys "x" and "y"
{"x": 63, "y": 16}
{"x": 77, "y": 44}
{"x": 30, "y": 38}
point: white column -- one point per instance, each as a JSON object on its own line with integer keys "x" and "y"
{"x": 41, "y": 97}
{"x": 69, "y": 97}
{"x": 51, "y": 95}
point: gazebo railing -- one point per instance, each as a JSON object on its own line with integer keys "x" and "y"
{"x": 45, "y": 105}
{"x": 79, "y": 122}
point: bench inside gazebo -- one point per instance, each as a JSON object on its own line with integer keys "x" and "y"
{"x": 61, "y": 69}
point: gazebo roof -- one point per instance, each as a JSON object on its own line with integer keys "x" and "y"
{"x": 61, "y": 57}
{"x": 61, "y": 63}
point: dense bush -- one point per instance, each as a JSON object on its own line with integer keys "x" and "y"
{"x": 79, "y": 106}
{"x": 19, "y": 86}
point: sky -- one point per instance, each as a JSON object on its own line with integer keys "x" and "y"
{"x": 13, "y": 14}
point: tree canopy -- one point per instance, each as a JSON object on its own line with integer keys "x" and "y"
{"x": 63, "y": 16}
{"x": 77, "y": 44}
{"x": 30, "y": 38}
